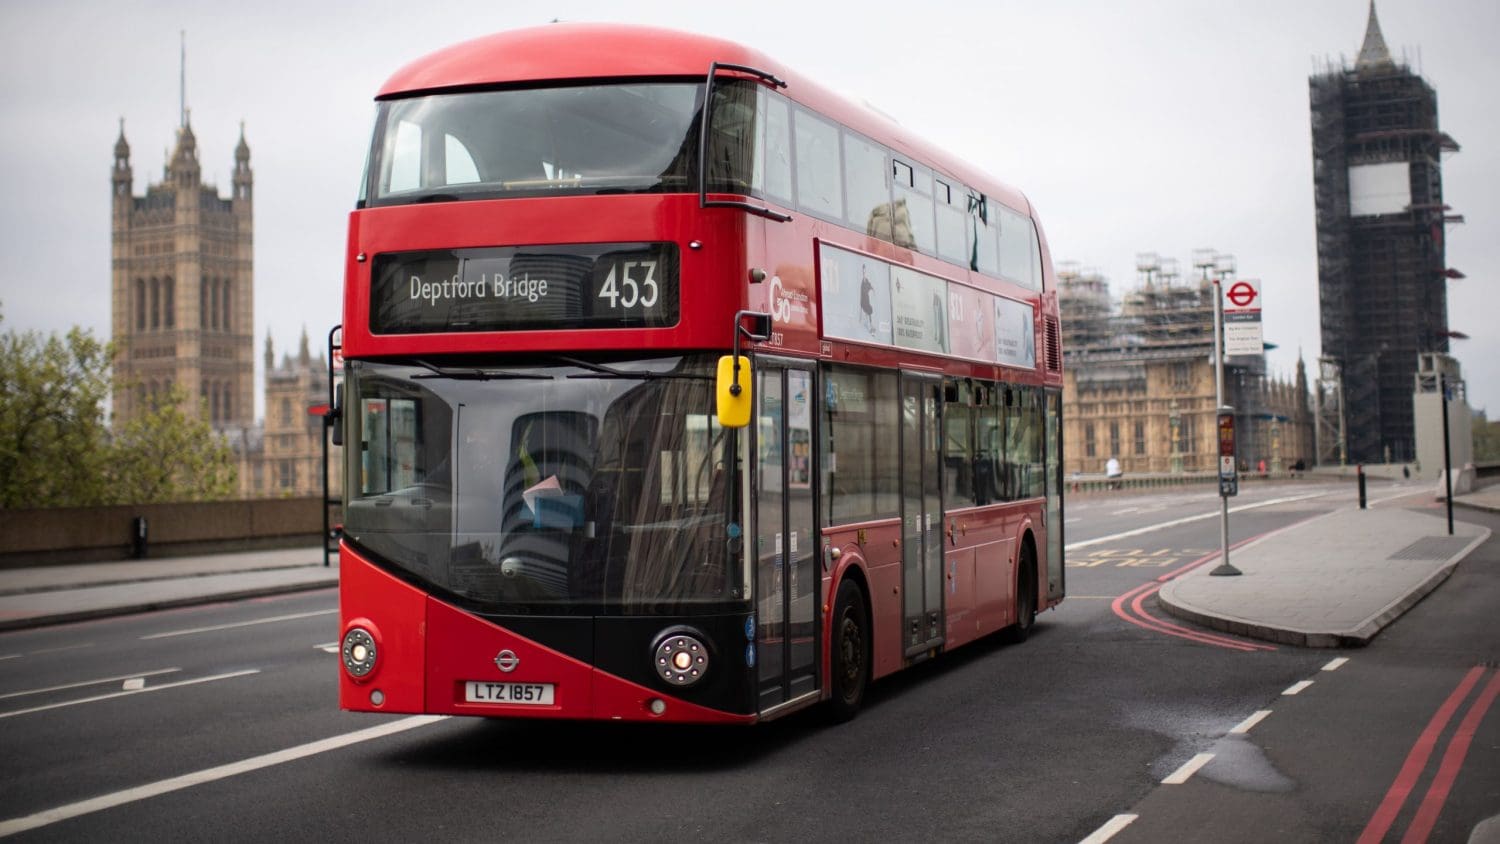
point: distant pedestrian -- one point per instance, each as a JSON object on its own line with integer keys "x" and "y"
{"x": 1112, "y": 473}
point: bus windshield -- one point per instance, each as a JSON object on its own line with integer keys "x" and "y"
{"x": 615, "y": 138}
{"x": 561, "y": 486}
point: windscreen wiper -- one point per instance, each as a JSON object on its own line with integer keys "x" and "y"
{"x": 599, "y": 370}
{"x": 475, "y": 373}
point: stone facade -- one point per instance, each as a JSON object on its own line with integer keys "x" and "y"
{"x": 1139, "y": 385}
{"x": 183, "y": 304}
{"x": 182, "y": 290}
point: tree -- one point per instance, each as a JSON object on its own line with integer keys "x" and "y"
{"x": 56, "y": 450}
{"x": 53, "y": 440}
{"x": 164, "y": 455}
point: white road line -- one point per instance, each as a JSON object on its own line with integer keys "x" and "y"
{"x": 271, "y": 620}
{"x": 134, "y": 684}
{"x": 131, "y": 795}
{"x": 1181, "y": 775}
{"x": 1297, "y": 687}
{"x": 1244, "y": 726}
{"x": 97, "y": 698}
{"x": 1336, "y": 664}
{"x": 83, "y": 683}
{"x": 328, "y": 647}
{"x": 11, "y": 656}
{"x": 61, "y": 649}
{"x": 1175, "y": 522}
{"x": 1110, "y": 829}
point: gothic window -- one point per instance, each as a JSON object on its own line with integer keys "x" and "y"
{"x": 169, "y": 311}
{"x": 224, "y": 303}
{"x": 140, "y": 304}
{"x": 155, "y": 304}
{"x": 286, "y": 412}
{"x": 213, "y": 303}
{"x": 203, "y": 302}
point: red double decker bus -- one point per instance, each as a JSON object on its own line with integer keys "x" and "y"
{"x": 678, "y": 388}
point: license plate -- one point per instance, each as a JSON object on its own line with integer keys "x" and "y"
{"x": 534, "y": 694}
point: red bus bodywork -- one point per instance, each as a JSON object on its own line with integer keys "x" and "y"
{"x": 428, "y": 647}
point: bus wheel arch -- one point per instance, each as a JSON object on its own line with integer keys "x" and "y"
{"x": 850, "y": 651}
{"x": 1026, "y": 591}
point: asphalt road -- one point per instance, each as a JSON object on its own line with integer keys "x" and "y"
{"x": 220, "y": 723}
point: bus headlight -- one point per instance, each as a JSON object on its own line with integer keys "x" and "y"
{"x": 358, "y": 652}
{"x": 681, "y": 658}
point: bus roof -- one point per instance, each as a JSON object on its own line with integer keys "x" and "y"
{"x": 580, "y": 51}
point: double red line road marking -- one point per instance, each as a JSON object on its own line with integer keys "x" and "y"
{"x": 1447, "y": 772}
{"x": 1131, "y": 607}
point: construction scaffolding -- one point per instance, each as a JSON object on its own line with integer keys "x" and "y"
{"x": 1140, "y": 383}
{"x": 1382, "y": 274}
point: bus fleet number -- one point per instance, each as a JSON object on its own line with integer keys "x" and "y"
{"x": 630, "y": 284}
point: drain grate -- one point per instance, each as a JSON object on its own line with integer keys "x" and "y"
{"x": 1432, "y": 548}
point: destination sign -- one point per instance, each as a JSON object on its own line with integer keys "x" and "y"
{"x": 520, "y": 288}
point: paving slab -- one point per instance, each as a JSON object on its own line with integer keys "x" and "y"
{"x": 1332, "y": 581}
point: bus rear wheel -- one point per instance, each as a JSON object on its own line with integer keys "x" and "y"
{"x": 851, "y": 652}
{"x": 1025, "y": 598}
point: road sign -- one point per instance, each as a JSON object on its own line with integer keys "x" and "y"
{"x": 1242, "y": 331}
{"x": 1243, "y": 294}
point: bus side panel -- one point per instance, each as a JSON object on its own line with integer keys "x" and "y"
{"x": 395, "y": 614}
{"x": 959, "y": 604}
{"x": 996, "y": 569}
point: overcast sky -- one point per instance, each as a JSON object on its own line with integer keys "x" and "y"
{"x": 1144, "y": 126}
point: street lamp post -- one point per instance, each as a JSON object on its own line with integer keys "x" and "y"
{"x": 1174, "y": 418}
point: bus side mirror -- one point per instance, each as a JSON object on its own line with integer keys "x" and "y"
{"x": 335, "y": 419}
{"x": 732, "y": 391}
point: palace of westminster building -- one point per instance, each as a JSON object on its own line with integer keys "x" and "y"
{"x": 182, "y": 316}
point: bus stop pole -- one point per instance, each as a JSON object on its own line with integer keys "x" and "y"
{"x": 1224, "y": 567}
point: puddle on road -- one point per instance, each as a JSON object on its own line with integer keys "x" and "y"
{"x": 1238, "y": 762}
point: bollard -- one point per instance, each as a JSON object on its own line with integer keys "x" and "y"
{"x": 1361, "y": 471}
{"x": 138, "y": 537}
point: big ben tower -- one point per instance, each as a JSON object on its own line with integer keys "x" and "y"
{"x": 1382, "y": 270}
{"x": 182, "y": 298}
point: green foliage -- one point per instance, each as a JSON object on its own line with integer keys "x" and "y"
{"x": 1486, "y": 438}
{"x": 53, "y": 441}
{"x": 56, "y": 450}
{"x": 164, "y": 455}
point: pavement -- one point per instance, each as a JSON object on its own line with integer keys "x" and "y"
{"x": 41, "y": 595}
{"x": 1332, "y": 581}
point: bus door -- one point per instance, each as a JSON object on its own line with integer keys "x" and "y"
{"x": 921, "y": 512}
{"x": 787, "y": 580}
{"x": 1056, "y": 582}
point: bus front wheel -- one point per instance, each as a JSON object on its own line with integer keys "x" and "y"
{"x": 851, "y": 652}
